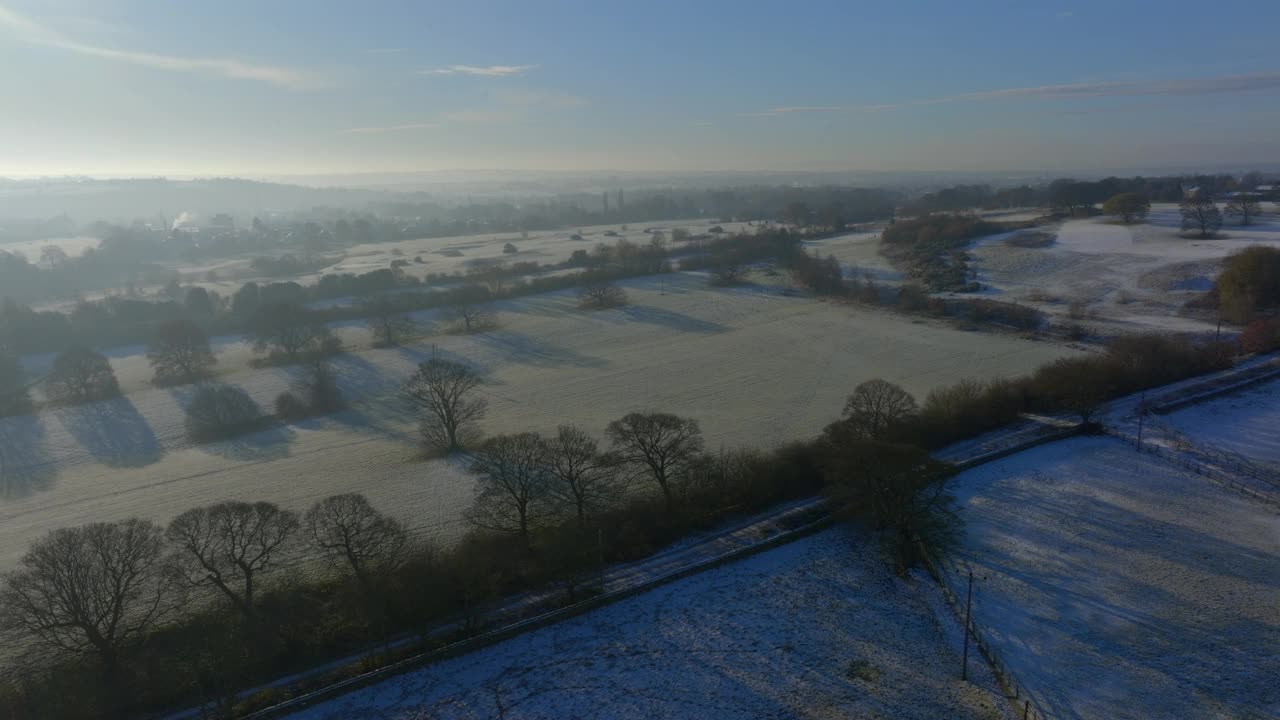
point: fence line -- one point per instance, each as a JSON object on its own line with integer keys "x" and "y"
{"x": 1028, "y": 705}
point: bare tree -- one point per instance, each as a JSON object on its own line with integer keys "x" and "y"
{"x": 599, "y": 294}
{"x": 445, "y": 391}
{"x": 288, "y": 333}
{"x": 1200, "y": 214}
{"x": 513, "y": 483}
{"x": 352, "y": 533}
{"x": 229, "y": 545}
{"x": 90, "y": 589}
{"x": 15, "y": 393}
{"x": 471, "y": 311}
{"x": 1245, "y": 207}
{"x": 660, "y": 444}
{"x": 582, "y": 477}
{"x": 81, "y": 375}
{"x": 875, "y": 407}
{"x": 180, "y": 352}
{"x": 728, "y": 271}
{"x": 388, "y": 325}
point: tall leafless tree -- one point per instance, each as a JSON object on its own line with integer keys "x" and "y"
{"x": 875, "y": 406}
{"x": 90, "y": 589}
{"x": 180, "y": 352}
{"x": 659, "y": 444}
{"x": 1201, "y": 215}
{"x": 513, "y": 483}
{"x": 1245, "y": 207}
{"x": 445, "y": 390}
{"x": 229, "y": 546}
{"x": 582, "y": 477}
{"x": 352, "y": 533}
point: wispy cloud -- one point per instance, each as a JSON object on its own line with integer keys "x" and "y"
{"x": 538, "y": 98}
{"x": 485, "y": 71}
{"x": 789, "y": 109}
{"x": 33, "y": 32}
{"x": 386, "y": 51}
{"x": 1065, "y": 14}
{"x": 1221, "y": 85}
{"x": 376, "y": 129}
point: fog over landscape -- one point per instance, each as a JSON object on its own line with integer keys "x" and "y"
{"x": 531, "y": 360}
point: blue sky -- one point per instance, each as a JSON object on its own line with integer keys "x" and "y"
{"x": 275, "y": 87}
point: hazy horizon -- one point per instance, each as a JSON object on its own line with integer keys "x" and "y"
{"x": 139, "y": 88}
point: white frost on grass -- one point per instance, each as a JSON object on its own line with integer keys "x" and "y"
{"x": 771, "y": 636}
{"x": 1134, "y": 277}
{"x": 1117, "y": 586}
{"x": 755, "y": 368}
{"x": 1245, "y": 423}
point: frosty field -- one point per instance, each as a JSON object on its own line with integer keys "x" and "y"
{"x": 1245, "y": 424}
{"x": 1128, "y": 277}
{"x": 754, "y": 366}
{"x": 771, "y": 636}
{"x": 1115, "y": 585}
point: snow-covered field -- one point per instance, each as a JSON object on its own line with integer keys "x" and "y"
{"x": 1126, "y": 277}
{"x": 1115, "y": 585}
{"x": 754, "y": 366}
{"x": 1245, "y": 423}
{"x": 771, "y": 636}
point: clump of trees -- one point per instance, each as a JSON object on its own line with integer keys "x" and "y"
{"x": 446, "y": 395}
{"x": 180, "y": 353}
{"x": 1200, "y": 215}
{"x": 389, "y": 326}
{"x": 217, "y": 411}
{"x": 930, "y": 249}
{"x": 289, "y": 334}
{"x": 1249, "y": 282}
{"x": 1129, "y": 207}
{"x": 15, "y": 393}
{"x": 314, "y": 391}
{"x": 1245, "y": 207}
{"x": 80, "y": 375}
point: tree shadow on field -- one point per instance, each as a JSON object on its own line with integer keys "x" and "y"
{"x": 528, "y": 350}
{"x": 374, "y": 399}
{"x": 422, "y": 352}
{"x": 25, "y": 464}
{"x": 271, "y": 443}
{"x": 669, "y": 319}
{"x": 113, "y": 432}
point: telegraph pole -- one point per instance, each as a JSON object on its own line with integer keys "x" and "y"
{"x": 968, "y": 604}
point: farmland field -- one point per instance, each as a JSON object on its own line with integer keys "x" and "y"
{"x": 756, "y": 366}
{"x": 1116, "y": 585}
{"x": 819, "y": 628}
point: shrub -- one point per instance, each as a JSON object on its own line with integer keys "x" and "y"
{"x": 218, "y": 411}
{"x": 1261, "y": 336}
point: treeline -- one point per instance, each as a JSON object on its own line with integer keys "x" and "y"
{"x": 1068, "y": 194}
{"x": 118, "y": 321}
